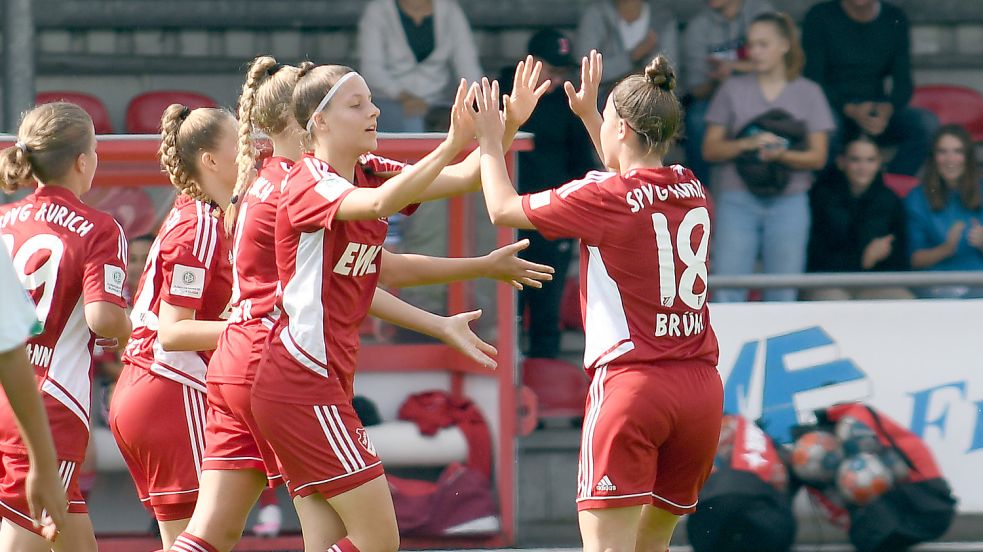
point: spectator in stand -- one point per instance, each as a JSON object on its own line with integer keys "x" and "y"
{"x": 563, "y": 152}
{"x": 410, "y": 52}
{"x": 852, "y": 48}
{"x": 945, "y": 212}
{"x": 713, "y": 50}
{"x": 772, "y": 223}
{"x": 628, "y": 33}
{"x": 137, "y": 252}
{"x": 858, "y": 224}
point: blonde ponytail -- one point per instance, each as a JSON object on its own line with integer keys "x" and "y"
{"x": 260, "y": 69}
{"x": 50, "y": 138}
{"x": 263, "y": 106}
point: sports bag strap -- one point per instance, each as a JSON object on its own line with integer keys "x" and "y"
{"x": 890, "y": 439}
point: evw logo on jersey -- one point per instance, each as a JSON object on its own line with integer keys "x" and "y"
{"x": 358, "y": 259}
{"x": 780, "y": 376}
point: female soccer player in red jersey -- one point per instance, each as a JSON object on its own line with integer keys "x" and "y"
{"x": 330, "y": 228}
{"x": 238, "y": 462}
{"x": 157, "y": 412}
{"x": 72, "y": 260}
{"x": 655, "y": 403}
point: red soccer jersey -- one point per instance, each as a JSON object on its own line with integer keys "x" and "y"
{"x": 254, "y": 277}
{"x": 645, "y": 240}
{"x": 188, "y": 266}
{"x": 67, "y": 255}
{"x": 328, "y": 269}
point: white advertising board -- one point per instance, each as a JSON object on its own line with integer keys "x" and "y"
{"x": 919, "y": 362}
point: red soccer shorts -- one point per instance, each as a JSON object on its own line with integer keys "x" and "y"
{"x": 322, "y": 448}
{"x": 13, "y": 494}
{"x": 159, "y": 425}
{"x": 232, "y": 438}
{"x": 650, "y": 434}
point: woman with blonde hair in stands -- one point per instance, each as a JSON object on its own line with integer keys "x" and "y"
{"x": 238, "y": 460}
{"x": 157, "y": 413}
{"x": 71, "y": 258}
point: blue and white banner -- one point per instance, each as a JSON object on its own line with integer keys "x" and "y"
{"x": 920, "y": 362}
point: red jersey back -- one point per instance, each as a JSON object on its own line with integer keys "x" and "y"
{"x": 188, "y": 266}
{"x": 67, "y": 255}
{"x": 328, "y": 269}
{"x": 254, "y": 277}
{"x": 645, "y": 240}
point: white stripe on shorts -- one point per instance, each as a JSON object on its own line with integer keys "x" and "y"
{"x": 586, "y": 469}
{"x": 343, "y": 455}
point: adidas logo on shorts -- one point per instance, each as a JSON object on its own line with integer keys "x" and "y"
{"x": 605, "y": 484}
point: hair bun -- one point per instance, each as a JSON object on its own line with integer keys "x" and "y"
{"x": 304, "y": 68}
{"x": 660, "y": 73}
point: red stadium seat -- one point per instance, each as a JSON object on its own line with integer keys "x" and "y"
{"x": 900, "y": 184}
{"x": 144, "y": 112}
{"x": 958, "y": 105}
{"x": 91, "y": 104}
{"x": 560, "y": 387}
{"x": 131, "y": 206}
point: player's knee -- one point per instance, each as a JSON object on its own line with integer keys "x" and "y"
{"x": 383, "y": 539}
{"x": 388, "y": 540}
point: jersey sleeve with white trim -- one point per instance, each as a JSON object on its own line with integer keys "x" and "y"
{"x": 104, "y": 278}
{"x": 381, "y": 165}
{"x": 374, "y": 171}
{"x": 319, "y": 193}
{"x": 187, "y": 254}
{"x": 573, "y": 210}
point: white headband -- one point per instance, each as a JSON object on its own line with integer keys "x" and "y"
{"x": 328, "y": 96}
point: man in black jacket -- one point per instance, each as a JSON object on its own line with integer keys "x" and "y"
{"x": 852, "y": 47}
{"x": 563, "y": 152}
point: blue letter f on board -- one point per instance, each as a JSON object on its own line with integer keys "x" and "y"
{"x": 781, "y": 384}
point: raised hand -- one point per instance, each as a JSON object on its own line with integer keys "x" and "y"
{"x": 504, "y": 264}
{"x": 954, "y": 235}
{"x": 877, "y": 250}
{"x": 583, "y": 102}
{"x": 457, "y": 333}
{"x": 975, "y": 234}
{"x": 487, "y": 118}
{"x": 520, "y": 104}
{"x": 462, "y": 128}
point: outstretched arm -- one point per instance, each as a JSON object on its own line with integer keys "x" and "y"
{"x": 452, "y": 330}
{"x": 44, "y": 490}
{"x": 407, "y": 186}
{"x": 465, "y": 177}
{"x": 504, "y": 264}
{"x": 504, "y": 204}
{"x": 583, "y": 102}
{"x": 179, "y": 331}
